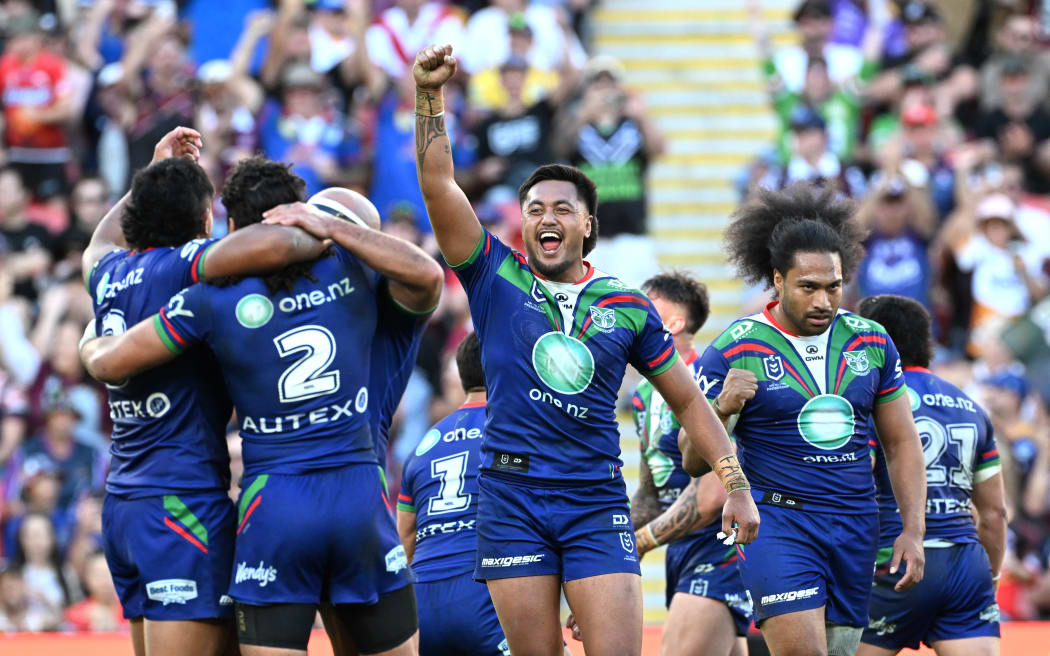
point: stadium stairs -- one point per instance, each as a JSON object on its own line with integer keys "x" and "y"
{"x": 696, "y": 64}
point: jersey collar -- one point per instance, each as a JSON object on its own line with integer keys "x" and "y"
{"x": 586, "y": 276}
{"x": 691, "y": 357}
{"x": 916, "y": 368}
{"x": 476, "y": 404}
{"x": 768, "y": 314}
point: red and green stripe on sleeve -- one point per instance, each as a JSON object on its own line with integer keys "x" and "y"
{"x": 175, "y": 342}
{"x": 988, "y": 464}
{"x": 405, "y": 503}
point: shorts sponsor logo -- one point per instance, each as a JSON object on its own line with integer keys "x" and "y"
{"x": 857, "y": 361}
{"x": 627, "y": 541}
{"x": 773, "y": 366}
{"x": 226, "y": 600}
{"x": 620, "y": 519}
{"x": 698, "y": 588}
{"x": 704, "y": 568}
{"x": 741, "y": 603}
{"x": 794, "y": 595}
{"x": 512, "y": 561}
{"x": 253, "y": 311}
{"x": 881, "y": 626}
{"x": 396, "y": 559}
{"x": 172, "y": 591}
{"x": 262, "y": 573}
{"x": 990, "y": 614}
{"x": 504, "y": 647}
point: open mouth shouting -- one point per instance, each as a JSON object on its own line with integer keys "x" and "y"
{"x": 550, "y": 241}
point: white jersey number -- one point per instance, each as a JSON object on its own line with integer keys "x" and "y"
{"x": 936, "y": 438}
{"x": 450, "y": 498}
{"x": 306, "y": 378}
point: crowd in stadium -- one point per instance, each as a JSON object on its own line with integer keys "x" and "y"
{"x": 936, "y": 124}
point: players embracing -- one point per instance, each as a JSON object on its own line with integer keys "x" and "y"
{"x": 805, "y": 382}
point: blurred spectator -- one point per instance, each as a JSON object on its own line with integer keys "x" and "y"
{"x": 306, "y": 130}
{"x": 488, "y": 89}
{"x": 1018, "y": 129}
{"x": 487, "y": 42}
{"x": 87, "y": 531}
{"x": 1016, "y": 40}
{"x": 101, "y": 610}
{"x": 985, "y": 240}
{"x": 611, "y": 137}
{"x": 922, "y": 152}
{"x": 813, "y": 22}
{"x": 838, "y": 103}
{"x": 810, "y": 159}
{"x": 47, "y": 589}
{"x": 88, "y": 203}
{"x": 406, "y": 28}
{"x": 30, "y": 244}
{"x": 901, "y": 220}
{"x": 17, "y": 613}
{"x": 55, "y": 448}
{"x": 37, "y": 104}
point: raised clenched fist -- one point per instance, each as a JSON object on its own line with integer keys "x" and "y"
{"x": 738, "y": 388}
{"x": 433, "y": 67}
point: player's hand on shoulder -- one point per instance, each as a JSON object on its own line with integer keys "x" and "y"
{"x": 740, "y": 510}
{"x": 738, "y": 388}
{"x": 908, "y": 548}
{"x": 434, "y": 66}
{"x": 309, "y": 218}
{"x": 180, "y": 142}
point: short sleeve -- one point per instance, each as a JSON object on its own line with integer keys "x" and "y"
{"x": 713, "y": 370}
{"x": 653, "y": 351}
{"x": 190, "y": 261}
{"x": 987, "y": 462}
{"x": 406, "y": 501}
{"x": 186, "y": 319}
{"x": 891, "y": 376}
{"x": 482, "y": 266}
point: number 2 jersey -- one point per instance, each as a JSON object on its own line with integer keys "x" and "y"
{"x": 440, "y": 484}
{"x": 169, "y": 422}
{"x": 805, "y": 439}
{"x": 296, "y": 363}
{"x": 959, "y": 448}
{"x": 554, "y": 356}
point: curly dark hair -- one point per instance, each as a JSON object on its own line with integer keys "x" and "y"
{"x": 684, "y": 289}
{"x": 906, "y": 321}
{"x": 257, "y": 184}
{"x": 468, "y": 361}
{"x": 168, "y": 204}
{"x": 585, "y": 190}
{"x": 765, "y": 234}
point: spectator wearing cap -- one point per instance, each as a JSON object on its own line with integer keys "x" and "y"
{"x": 813, "y": 23}
{"x": 1017, "y": 38}
{"x": 307, "y": 131}
{"x": 838, "y": 103}
{"x": 810, "y": 161}
{"x": 1019, "y": 129}
{"x": 487, "y": 89}
{"x": 918, "y": 148}
{"x": 928, "y": 55}
{"x": 515, "y": 139}
{"x": 37, "y": 104}
{"x": 901, "y": 220}
{"x": 486, "y": 42}
{"x": 406, "y": 28}
{"x": 986, "y": 242}
{"x": 611, "y": 137}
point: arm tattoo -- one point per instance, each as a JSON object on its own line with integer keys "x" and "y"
{"x": 428, "y": 130}
{"x": 730, "y": 473}
{"x": 682, "y": 518}
{"x": 645, "y": 504}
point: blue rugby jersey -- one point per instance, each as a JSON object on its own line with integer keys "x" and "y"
{"x": 554, "y": 357}
{"x": 296, "y": 364}
{"x": 805, "y": 438}
{"x": 440, "y": 484}
{"x": 959, "y": 448}
{"x": 169, "y": 422}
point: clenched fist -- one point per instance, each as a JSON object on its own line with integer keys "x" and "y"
{"x": 433, "y": 67}
{"x": 738, "y": 388}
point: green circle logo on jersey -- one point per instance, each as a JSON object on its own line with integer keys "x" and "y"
{"x": 826, "y": 421}
{"x": 913, "y": 396}
{"x": 563, "y": 363}
{"x": 429, "y": 441}
{"x": 254, "y": 310}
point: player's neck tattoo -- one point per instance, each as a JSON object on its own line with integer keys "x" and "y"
{"x": 430, "y": 121}
{"x": 729, "y": 472}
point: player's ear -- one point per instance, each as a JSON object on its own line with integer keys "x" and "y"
{"x": 778, "y": 282}
{"x": 675, "y": 325}
{"x": 590, "y": 225}
{"x": 229, "y": 225}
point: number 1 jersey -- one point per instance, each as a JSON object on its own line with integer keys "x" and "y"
{"x": 296, "y": 363}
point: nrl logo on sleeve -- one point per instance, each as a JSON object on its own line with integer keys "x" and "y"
{"x": 604, "y": 318}
{"x": 773, "y": 366}
{"x": 857, "y": 361}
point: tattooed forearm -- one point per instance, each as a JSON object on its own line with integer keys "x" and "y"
{"x": 428, "y": 130}
{"x": 680, "y": 520}
{"x": 644, "y": 508}
{"x": 730, "y": 473}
